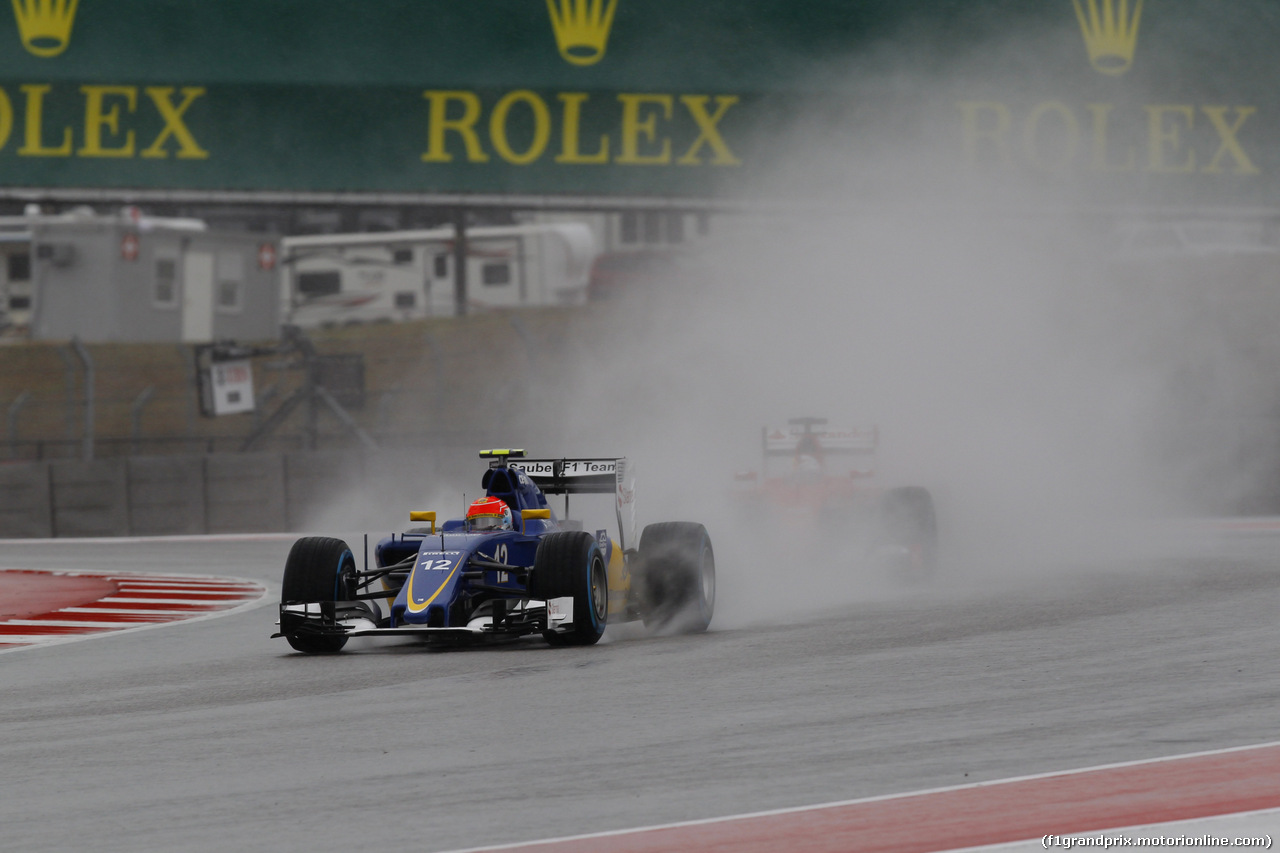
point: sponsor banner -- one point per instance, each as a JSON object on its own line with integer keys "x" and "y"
{"x": 232, "y": 383}
{"x": 1120, "y": 102}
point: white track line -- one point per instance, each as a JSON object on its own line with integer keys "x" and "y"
{"x": 838, "y": 803}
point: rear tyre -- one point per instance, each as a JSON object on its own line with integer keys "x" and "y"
{"x": 909, "y": 528}
{"x": 676, "y": 576}
{"x": 569, "y": 564}
{"x": 318, "y": 568}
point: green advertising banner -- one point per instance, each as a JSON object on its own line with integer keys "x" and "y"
{"x": 1167, "y": 102}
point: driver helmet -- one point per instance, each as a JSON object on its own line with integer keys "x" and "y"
{"x": 489, "y": 514}
{"x": 808, "y": 445}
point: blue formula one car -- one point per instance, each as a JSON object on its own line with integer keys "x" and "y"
{"x": 509, "y": 569}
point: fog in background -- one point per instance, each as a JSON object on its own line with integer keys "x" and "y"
{"x": 1056, "y": 397}
{"x": 1053, "y": 398}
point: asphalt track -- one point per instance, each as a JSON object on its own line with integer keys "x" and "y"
{"x": 207, "y": 735}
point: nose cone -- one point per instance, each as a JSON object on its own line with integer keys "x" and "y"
{"x": 430, "y": 589}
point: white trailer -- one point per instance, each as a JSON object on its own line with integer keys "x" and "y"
{"x": 342, "y": 279}
{"x": 128, "y": 277}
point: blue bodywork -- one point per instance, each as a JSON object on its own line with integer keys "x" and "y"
{"x": 452, "y": 582}
{"x": 455, "y": 569}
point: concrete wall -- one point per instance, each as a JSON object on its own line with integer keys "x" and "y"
{"x": 26, "y": 509}
{"x": 90, "y": 498}
{"x": 245, "y": 493}
{"x": 320, "y": 484}
{"x": 232, "y": 493}
{"x": 166, "y": 495}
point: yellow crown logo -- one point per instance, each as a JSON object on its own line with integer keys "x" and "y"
{"x": 45, "y": 25}
{"x": 582, "y": 28}
{"x": 1110, "y": 33}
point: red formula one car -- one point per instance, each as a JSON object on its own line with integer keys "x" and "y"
{"x": 827, "y": 477}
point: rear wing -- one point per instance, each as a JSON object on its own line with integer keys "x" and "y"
{"x": 571, "y": 476}
{"x": 815, "y": 437}
{"x": 614, "y": 476}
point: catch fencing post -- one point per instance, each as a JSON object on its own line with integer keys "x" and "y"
{"x": 14, "y": 408}
{"x": 460, "y": 261}
{"x": 135, "y": 414}
{"x": 87, "y": 361}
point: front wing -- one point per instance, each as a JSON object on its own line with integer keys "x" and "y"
{"x": 357, "y": 619}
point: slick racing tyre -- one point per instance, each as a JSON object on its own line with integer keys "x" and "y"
{"x": 569, "y": 564}
{"x": 909, "y": 527}
{"x": 318, "y": 569}
{"x": 677, "y": 576}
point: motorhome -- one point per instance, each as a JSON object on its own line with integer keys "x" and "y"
{"x": 128, "y": 277}
{"x": 342, "y": 279}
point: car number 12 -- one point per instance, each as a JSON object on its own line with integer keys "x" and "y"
{"x": 436, "y": 565}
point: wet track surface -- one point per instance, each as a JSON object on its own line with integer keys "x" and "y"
{"x": 210, "y": 736}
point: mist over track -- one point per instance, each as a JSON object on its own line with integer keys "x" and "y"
{"x": 210, "y": 736}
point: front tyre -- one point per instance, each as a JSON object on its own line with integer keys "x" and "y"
{"x": 569, "y": 564}
{"x": 318, "y": 569}
{"x": 677, "y": 576}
